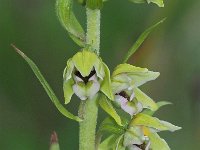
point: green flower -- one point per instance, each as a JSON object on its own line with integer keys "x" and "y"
{"x": 125, "y": 82}
{"x": 85, "y": 75}
{"x": 142, "y": 133}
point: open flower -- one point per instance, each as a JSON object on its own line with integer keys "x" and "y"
{"x": 142, "y": 133}
{"x": 125, "y": 82}
{"x": 85, "y": 75}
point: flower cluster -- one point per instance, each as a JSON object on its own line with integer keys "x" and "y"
{"x": 87, "y": 75}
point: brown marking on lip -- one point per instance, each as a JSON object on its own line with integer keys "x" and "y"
{"x": 85, "y": 79}
{"x": 124, "y": 94}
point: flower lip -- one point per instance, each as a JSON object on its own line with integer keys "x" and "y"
{"x": 124, "y": 94}
{"x": 85, "y": 79}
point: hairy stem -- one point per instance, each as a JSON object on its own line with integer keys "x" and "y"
{"x": 88, "y": 111}
{"x": 93, "y": 29}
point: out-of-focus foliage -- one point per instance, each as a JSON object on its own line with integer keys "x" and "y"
{"x": 172, "y": 49}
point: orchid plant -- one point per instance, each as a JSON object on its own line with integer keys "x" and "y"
{"x": 130, "y": 124}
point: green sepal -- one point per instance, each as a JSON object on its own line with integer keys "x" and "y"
{"x": 138, "y": 75}
{"x": 84, "y": 61}
{"x": 153, "y": 122}
{"x": 106, "y": 105}
{"x": 69, "y": 21}
{"x": 157, "y": 143}
{"x": 94, "y": 4}
{"x": 106, "y": 84}
{"x": 47, "y": 88}
{"x": 160, "y": 3}
{"x": 145, "y": 100}
{"x": 68, "y": 91}
{"x": 140, "y": 40}
{"x": 159, "y": 104}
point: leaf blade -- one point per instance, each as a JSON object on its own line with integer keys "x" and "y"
{"x": 46, "y": 86}
{"x": 70, "y": 22}
{"x": 140, "y": 40}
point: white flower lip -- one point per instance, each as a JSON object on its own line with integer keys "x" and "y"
{"x": 127, "y": 104}
{"x": 85, "y": 92}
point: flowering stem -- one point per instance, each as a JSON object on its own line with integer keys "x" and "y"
{"x": 93, "y": 29}
{"x": 88, "y": 112}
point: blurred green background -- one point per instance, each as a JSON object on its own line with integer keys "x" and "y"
{"x": 27, "y": 117}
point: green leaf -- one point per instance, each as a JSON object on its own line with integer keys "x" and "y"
{"x": 69, "y": 21}
{"x": 106, "y": 105}
{"x": 159, "y": 104}
{"x": 146, "y": 101}
{"x": 46, "y": 86}
{"x": 160, "y": 3}
{"x": 157, "y": 143}
{"x": 153, "y": 122}
{"x": 140, "y": 40}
